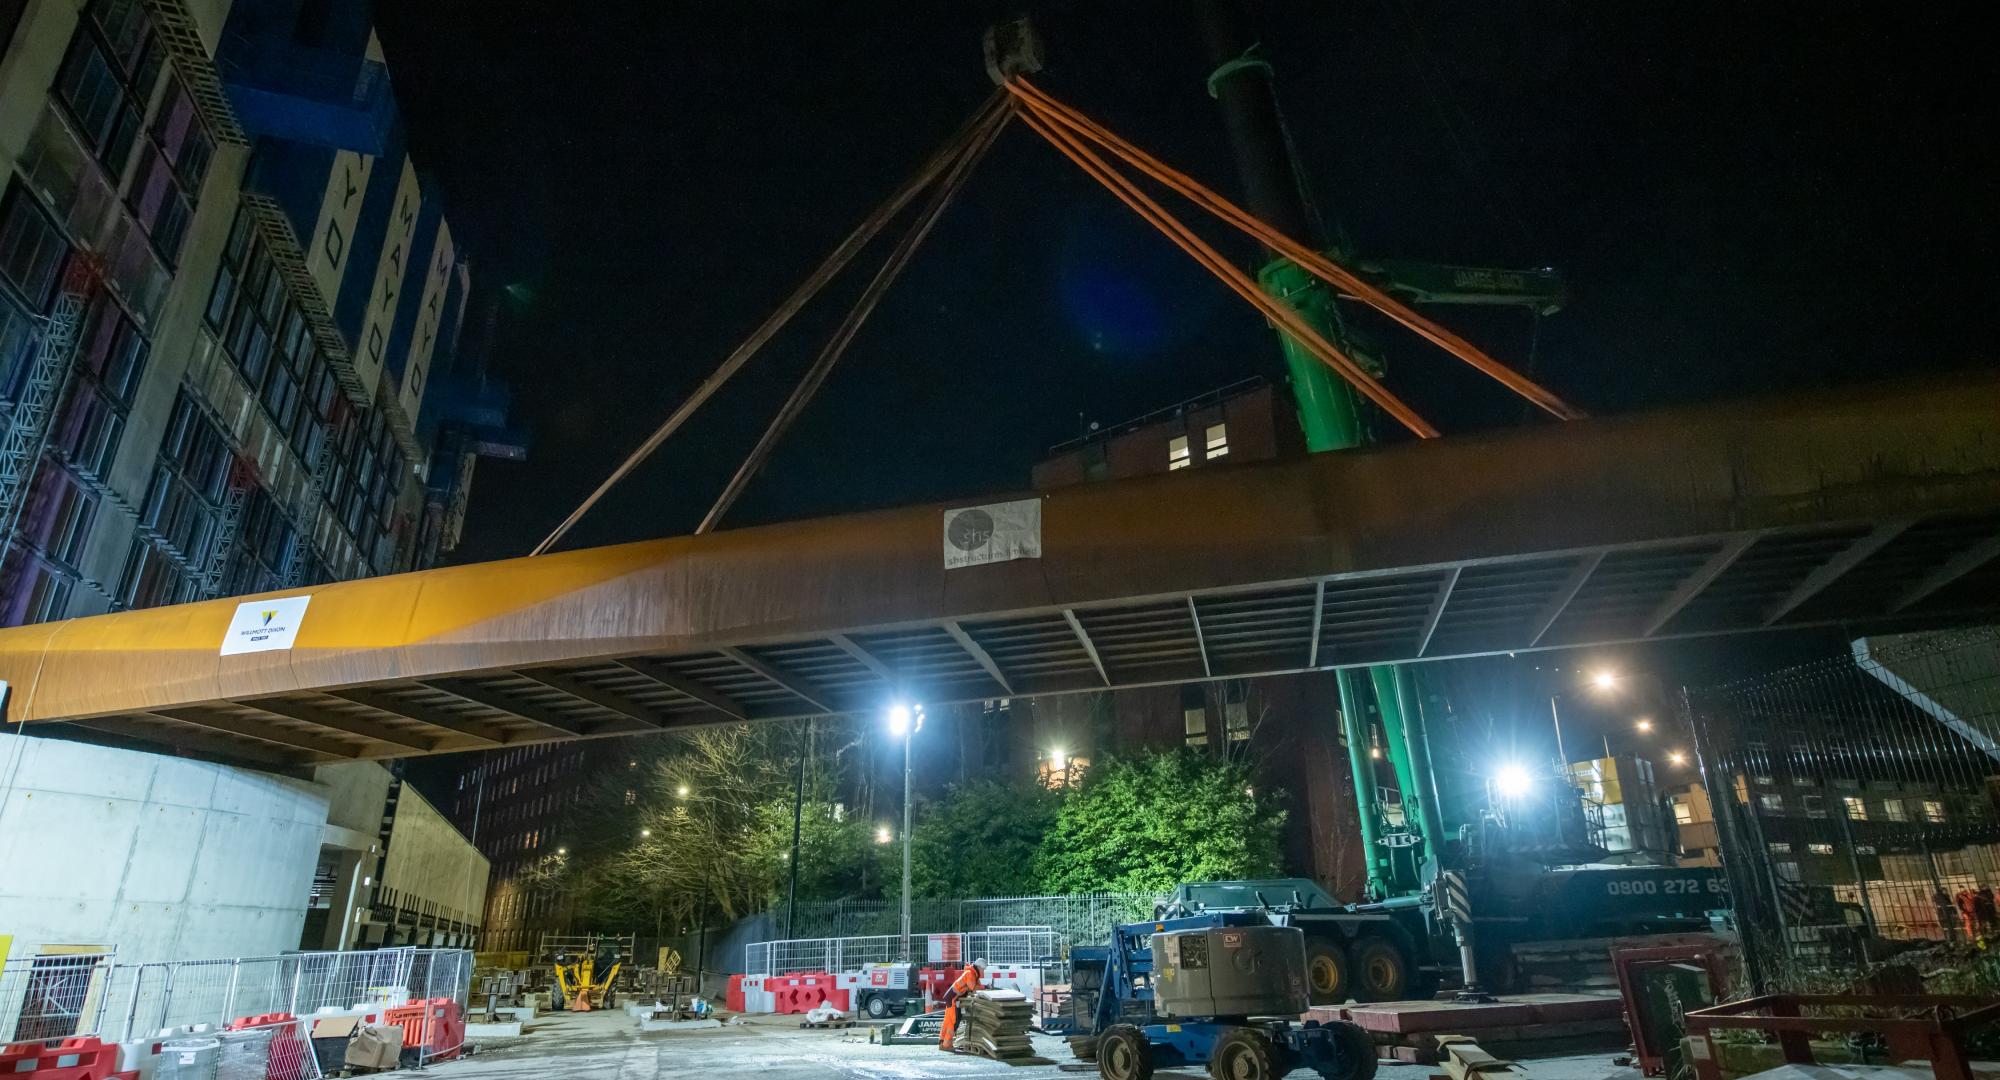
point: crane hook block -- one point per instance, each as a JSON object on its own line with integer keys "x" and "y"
{"x": 1012, "y": 48}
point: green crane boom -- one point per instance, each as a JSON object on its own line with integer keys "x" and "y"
{"x": 1405, "y": 841}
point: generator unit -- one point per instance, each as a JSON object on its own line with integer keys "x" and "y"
{"x": 1230, "y": 971}
{"x": 888, "y": 990}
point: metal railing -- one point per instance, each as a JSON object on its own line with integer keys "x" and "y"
{"x": 1014, "y": 945}
{"x": 1082, "y": 919}
{"x": 56, "y": 997}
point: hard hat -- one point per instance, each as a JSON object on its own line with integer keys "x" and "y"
{"x": 979, "y": 963}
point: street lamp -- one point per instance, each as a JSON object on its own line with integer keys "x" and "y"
{"x": 1644, "y": 725}
{"x": 681, "y": 792}
{"x": 883, "y": 835}
{"x": 1677, "y": 757}
{"x": 904, "y": 722}
{"x": 1604, "y": 680}
{"x": 645, "y": 832}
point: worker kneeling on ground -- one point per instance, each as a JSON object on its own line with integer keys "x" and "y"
{"x": 966, "y": 983}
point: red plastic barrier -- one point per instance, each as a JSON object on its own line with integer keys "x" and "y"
{"x": 735, "y": 996}
{"x": 438, "y": 1025}
{"x": 70, "y": 1059}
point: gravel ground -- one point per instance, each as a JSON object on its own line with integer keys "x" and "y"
{"x": 609, "y": 1046}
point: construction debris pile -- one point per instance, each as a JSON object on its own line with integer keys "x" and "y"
{"x": 995, "y": 1023}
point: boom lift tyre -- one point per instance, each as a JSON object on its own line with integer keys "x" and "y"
{"x": 1243, "y": 1054}
{"x": 1124, "y": 1054}
{"x": 1356, "y": 1046}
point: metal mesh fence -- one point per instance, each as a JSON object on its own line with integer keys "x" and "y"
{"x": 53, "y": 997}
{"x": 441, "y": 980}
{"x": 1000, "y": 945}
{"x": 1073, "y": 919}
{"x": 323, "y": 980}
{"x": 1857, "y": 800}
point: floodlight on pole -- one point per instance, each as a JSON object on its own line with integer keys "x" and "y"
{"x": 1513, "y": 781}
{"x": 904, "y": 722}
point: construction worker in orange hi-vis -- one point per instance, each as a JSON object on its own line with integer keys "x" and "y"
{"x": 966, "y": 983}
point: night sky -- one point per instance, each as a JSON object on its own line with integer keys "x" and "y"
{"x": 1744, "y": 198}
{"x": 1742, "y": 201}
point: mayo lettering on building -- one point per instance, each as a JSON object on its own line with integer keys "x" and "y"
{"x": 430, "y": 319}
{"x": 371, "y": 352}
{"x": 339, "y": 211}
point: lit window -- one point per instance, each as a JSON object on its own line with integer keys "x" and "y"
{"x": 1236, "y": 715}
{"x": 1683, "y": 813}
{"x": 1892, "y": 810}
{"x": 1933, "y": 811}
{"x": 1779, "y": 847}
{"x": 1820, "y": 849}
{"x": 1197, "y": 726}
{"x": 1857, "y": 809}
{"x": 1217, "y": 441}
{"x": 1177, "y": 453}
{"x": 1052, "y": 775}
{"x": 1774, "y": 803}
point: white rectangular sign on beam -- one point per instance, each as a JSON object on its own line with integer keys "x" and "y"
{"x": 265, "y": 625}
{"x": 996, "y": 532}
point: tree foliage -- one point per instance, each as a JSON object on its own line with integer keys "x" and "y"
{"x": 1148, "y": 823}
{"x": 981, "y": 839}
{"x": 698, "y": 830}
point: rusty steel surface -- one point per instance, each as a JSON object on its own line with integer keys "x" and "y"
{"x": 1871, "y": 506}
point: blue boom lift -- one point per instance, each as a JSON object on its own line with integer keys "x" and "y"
{"x": 1223, "y": 990}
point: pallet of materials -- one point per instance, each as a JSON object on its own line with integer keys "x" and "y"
{"x": 994, "y": 1024}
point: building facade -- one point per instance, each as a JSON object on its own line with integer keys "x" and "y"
{"x": 1287, "y": 727}
{"x": 159, "y": 858}
{"x": 1245, "y": 421}
{"x": 515, "y": 805}
{"x": 392, "y": 870}
{"x": 231, "y": 309}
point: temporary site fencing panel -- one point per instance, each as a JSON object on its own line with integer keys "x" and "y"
{"x": 870, "y": 929}
{"x": 1075, "y": 920}
{"x": 1857, "y": 800}
{"x": 1037, "y": 946}
{"x": 54, "y": 997}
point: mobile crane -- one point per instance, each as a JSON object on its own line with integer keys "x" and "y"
{"x": 1440, "y": 852}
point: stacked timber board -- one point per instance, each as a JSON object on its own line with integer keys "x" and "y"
{"x": 995, "y": 1023}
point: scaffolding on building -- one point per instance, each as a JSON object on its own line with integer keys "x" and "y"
{"x": 48, "y": 381}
